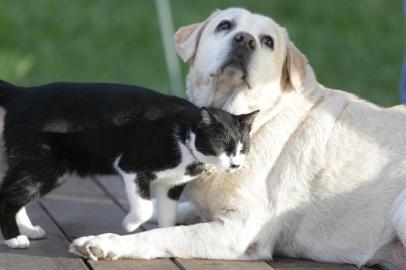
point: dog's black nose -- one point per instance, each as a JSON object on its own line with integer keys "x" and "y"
{"x": 245, "y": 39}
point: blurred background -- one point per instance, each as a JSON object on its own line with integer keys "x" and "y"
{"x": 355, "y": 45}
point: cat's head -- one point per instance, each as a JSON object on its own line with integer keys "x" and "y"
{"x": 222, "y": 139}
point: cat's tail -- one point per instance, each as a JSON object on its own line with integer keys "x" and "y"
{"x": 7, "y": 93}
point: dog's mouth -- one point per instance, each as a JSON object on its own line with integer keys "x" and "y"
{"x": 233, "y": 68}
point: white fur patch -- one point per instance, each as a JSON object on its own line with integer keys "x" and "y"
{"x": 238, "y": 158}
{"x": 166, "y": 207}
{"x": 140, "y": 209}
{"x": 25, "y": 226}
{"x": 20, "y": 241}
{"x": 104, "y": 246}
{"x": 176, "y": 176}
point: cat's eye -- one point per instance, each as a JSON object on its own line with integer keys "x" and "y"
{"x": 224, "y": 25}
{"x": 267, "y": 41}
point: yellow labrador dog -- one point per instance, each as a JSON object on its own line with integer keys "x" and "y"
{"x": 326, "y": 175}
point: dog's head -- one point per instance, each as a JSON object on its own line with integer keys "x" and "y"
{"x": 236, "y": 50}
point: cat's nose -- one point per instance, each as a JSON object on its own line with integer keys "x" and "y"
{"x": 235, "y": 166}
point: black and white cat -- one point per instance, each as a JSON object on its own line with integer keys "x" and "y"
{"x": 59, "y": 129}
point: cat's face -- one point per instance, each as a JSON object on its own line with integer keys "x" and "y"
{"x": 223, "y": 139}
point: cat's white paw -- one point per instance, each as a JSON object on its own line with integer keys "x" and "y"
{"x": 20, "y": 241}
{"x": 131, "y": 223}
{"x": 34, "y": 232}
{"x": 104, "y": 246}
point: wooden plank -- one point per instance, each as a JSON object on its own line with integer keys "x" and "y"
{"x": 81, "y": 208}
{"x": 114, "y": 186}
{"x": 219, "y": 264}
{"x": 299, "y": 264}
{"x": 158, "y": 264}
{"x": 116, "y": 189}
{"x": 48, "y": 253}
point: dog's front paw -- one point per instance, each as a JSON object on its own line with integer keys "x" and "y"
{"x": 103, "y": 247}
{"x": 20, "y": 241}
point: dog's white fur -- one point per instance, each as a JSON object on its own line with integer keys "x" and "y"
{"x": 325, "y": 178}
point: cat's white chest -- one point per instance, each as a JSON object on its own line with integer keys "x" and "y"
{"x": 179, "y": 174}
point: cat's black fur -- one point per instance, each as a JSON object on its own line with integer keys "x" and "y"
{"x": 64, "y": 128}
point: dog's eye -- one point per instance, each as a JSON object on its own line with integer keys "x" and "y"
{"x": 268, "y": 41}
{"x": 224, "y": 25}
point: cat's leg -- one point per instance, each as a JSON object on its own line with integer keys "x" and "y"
{"x": 186, "y": 213}
{"x": 154, "y": 216}
{"x": 8, "y": 224}
{"x": 26, "y": 227}
{"x": 21, "y": 186}
{"x": 139, "y": 198}
{"x": 167, "y": 201}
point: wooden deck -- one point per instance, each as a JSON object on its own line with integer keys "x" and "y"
{"x": 84, "y": 207}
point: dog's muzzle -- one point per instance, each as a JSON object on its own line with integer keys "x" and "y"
{"x": 237, "y": 61}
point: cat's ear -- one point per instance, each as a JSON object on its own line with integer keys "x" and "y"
{"x": 246, "y": 120}
{"x": 206, "y": 117}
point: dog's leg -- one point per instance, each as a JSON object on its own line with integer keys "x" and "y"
{"x": 138, "y": 194}
{"x": 391, "y": 256}
{"x": 26, "y": 227}
{"x": 398, "y": 215}
{"x": 220, "y": 239}
{"x": 394, "y": 254}
{"x": 167, "y": 201}
{"x": 187, "y": 213}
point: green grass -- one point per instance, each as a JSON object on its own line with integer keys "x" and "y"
{"x": 355, "y": 45}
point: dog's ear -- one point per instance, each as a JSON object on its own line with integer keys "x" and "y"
{"x": 187, "y": 38}
{"x": 294, "y": 68}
